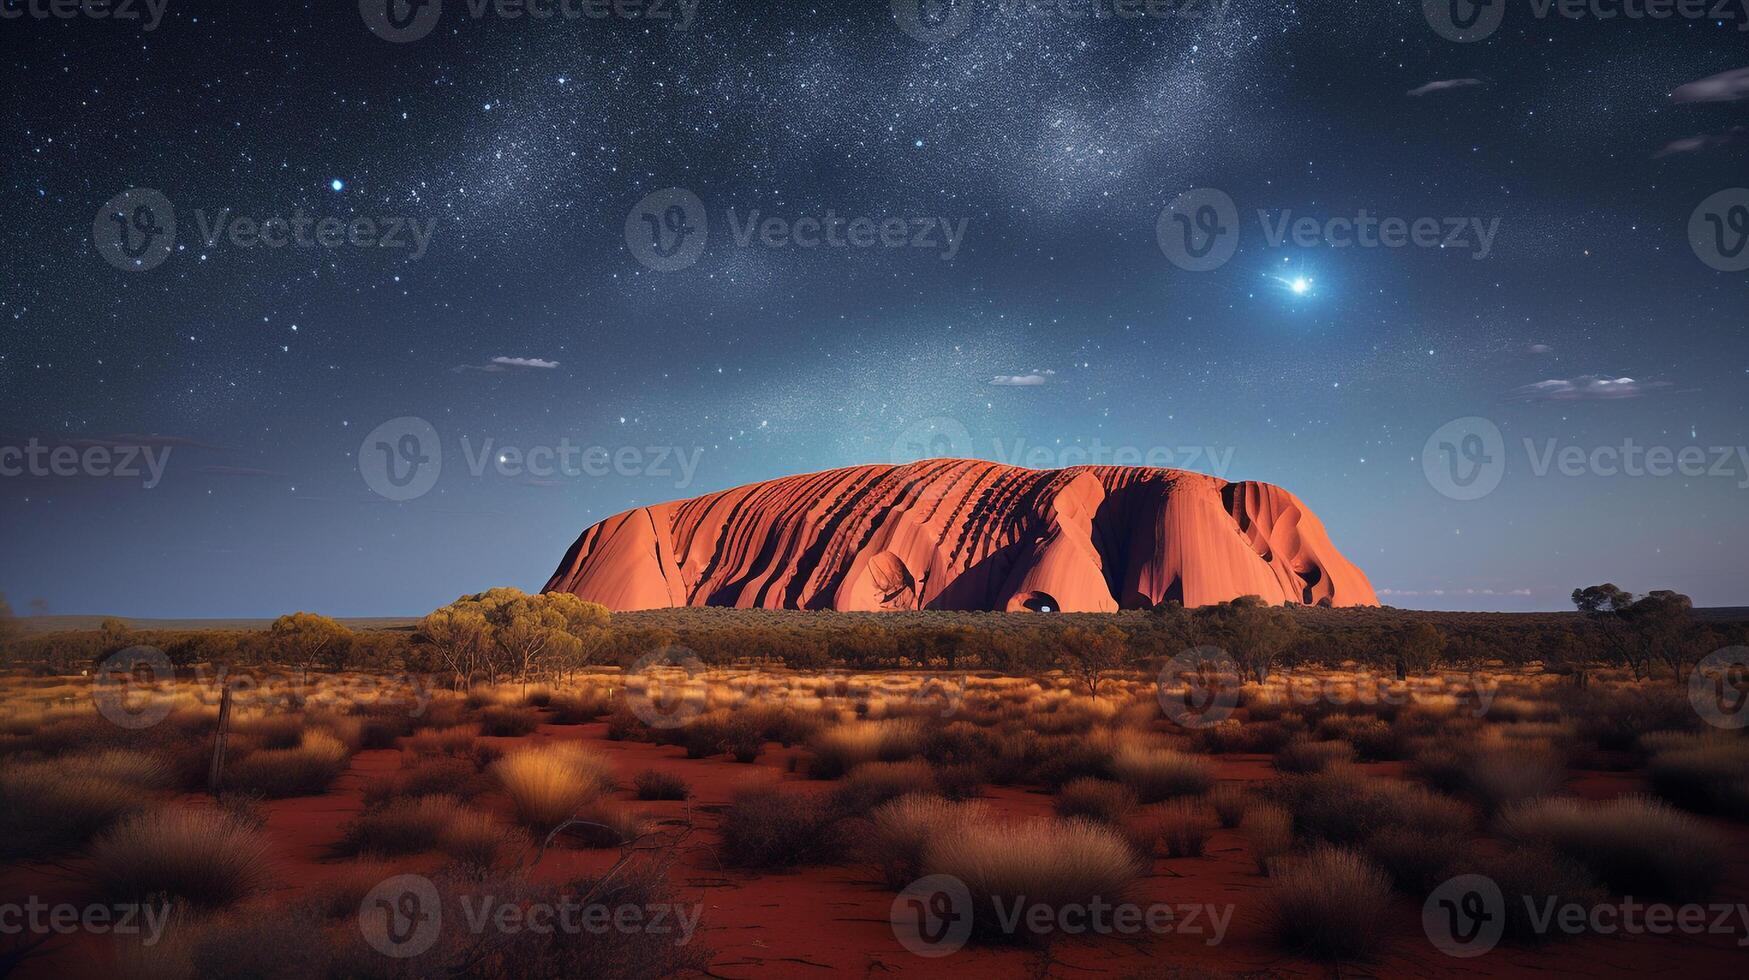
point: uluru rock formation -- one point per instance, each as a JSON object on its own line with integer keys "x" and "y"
{"x": 966, "y": 534}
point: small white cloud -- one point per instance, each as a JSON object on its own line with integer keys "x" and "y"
{"x": 500, "y": 365}
{"x": 1729, "y": 86}
{"x": 1539, "y": 349}
{"x": 1586, "y": 387}
{"x": 1031, "y": 380}
{"x": 1443, "y": 85}
{"x": 526, "y": 362}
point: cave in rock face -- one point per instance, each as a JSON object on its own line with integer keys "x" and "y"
{"x": 969, "y": 535}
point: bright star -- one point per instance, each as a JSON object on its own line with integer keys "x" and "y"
{"x": 337, "y": 185}
{"x": 1300, "y": 285}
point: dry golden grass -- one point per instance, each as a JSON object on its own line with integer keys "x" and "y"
{"x": 306, "y": 770}
{"x": 44, "y": 813}
{"x": 548, "y": 784}
{"x": 403, "y": 826}
{"x": 900, "y": 832}
{"x": 1230, "y": 801}
{"x": 200, "y": 856}
{"x": 1096, "y": 800}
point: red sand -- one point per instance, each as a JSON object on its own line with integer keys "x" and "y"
{"x": 832, "y": 921}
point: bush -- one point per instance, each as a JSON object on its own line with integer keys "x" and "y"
{"x": 44, "y": 812}
{"x": 430, "y": 776}
{"x": 1301, "y": 756}
{"x": 838, "y": 750}
{"x": 1230, "y": 801}
{"x": 1042, "y": 861}
{"x": 902, "y": 830}
{"x": 960, "y": 782}
{"x": 548, "y": 784}
{"x": 765, "y": 828}
{"x": 508, "y": 721}
{"x": 1636, "y": 845}
{"x": 1499, "y": 778}
{"x": 454, "y": 740}
{"x": 203, "y": 857}
{"x": 1707, "y": 778}
{"x": 1184, "y": 828}
{"x": 1156, "y": 774}
{"x": 476, "y": 841}
{"x": 1532, "y": 877}
{"x": 307, "y": 770}
{"x": 873, "y": 783}
{"x": 403, "y": 826}
{"x": 1329, "y": 903}
{"x": 1269, "y": 833}
{"x": 604, "y": 824}
{"x": 1095, "y": 800}
{"x": 1415, "y": 860}
{"x": 653, "y": 785}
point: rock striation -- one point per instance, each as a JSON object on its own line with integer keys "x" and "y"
{"x": 969, "y": 535}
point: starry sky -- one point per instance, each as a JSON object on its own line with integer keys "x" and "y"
{"x": 533, "y": 152}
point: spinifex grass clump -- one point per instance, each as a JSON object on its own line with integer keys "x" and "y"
{"x": 549, "y": 784}
{"x": 204, "y": 857}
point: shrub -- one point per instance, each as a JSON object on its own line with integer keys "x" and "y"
{"x": 900, "y": 832}
{"x": 508, "y": 721}
{"x": 840, "y": 749}
{"x": 654, "y": 785}
{"x": 1156, "y": 774}
{"x": 44, "y": 813}
{"x": 580, "y": 707}
{"x": 429, "y": 776}
{"x": 960, "y": 782}
{"x": 1096, "y": 800}
{"x": 1707, "y": 778}
{"x": 1636, "y": 845}
{"x": 455, "y": 740}
{"x": 202, "y": 857}
{"x": 1499, "y": 778}
{"x": 1269, "y": 833}
{"x": 475, "y": 840}
{"x": 1184, "y": 827}
{"x": 550, "y": 783}
{"x": 403, "y": 826}
{"x": 1531, "y": 878}
{"x": 1329, "y": 903}
{"x": 873, "y": 783}
{"x": 1307, "y": 757}
{"x": 307, "y": 770}
{"x": 1346, "y": 807}
{"x": 1042, "y": 861}
{"x": 604, "y": 824}
{"x": 1230, "y": 801}
{"x": 765, "y": 828}
{"x": 1415, "y": 860}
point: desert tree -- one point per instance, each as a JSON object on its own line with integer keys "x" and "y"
{"x": 309, "y": 639}
{"x": 9, "y": 628}
{"x": 1088, "y": 654}
{"x": 1253, "y": 632}
{"x": 461, "y": 637}
{"x": 1606, "y": 607}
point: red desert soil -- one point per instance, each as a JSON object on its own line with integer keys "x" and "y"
{"x": 968, "y": 535}
{"x": 824, "y": 922}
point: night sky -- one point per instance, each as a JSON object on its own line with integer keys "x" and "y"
{"x": 539, "y": 311}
